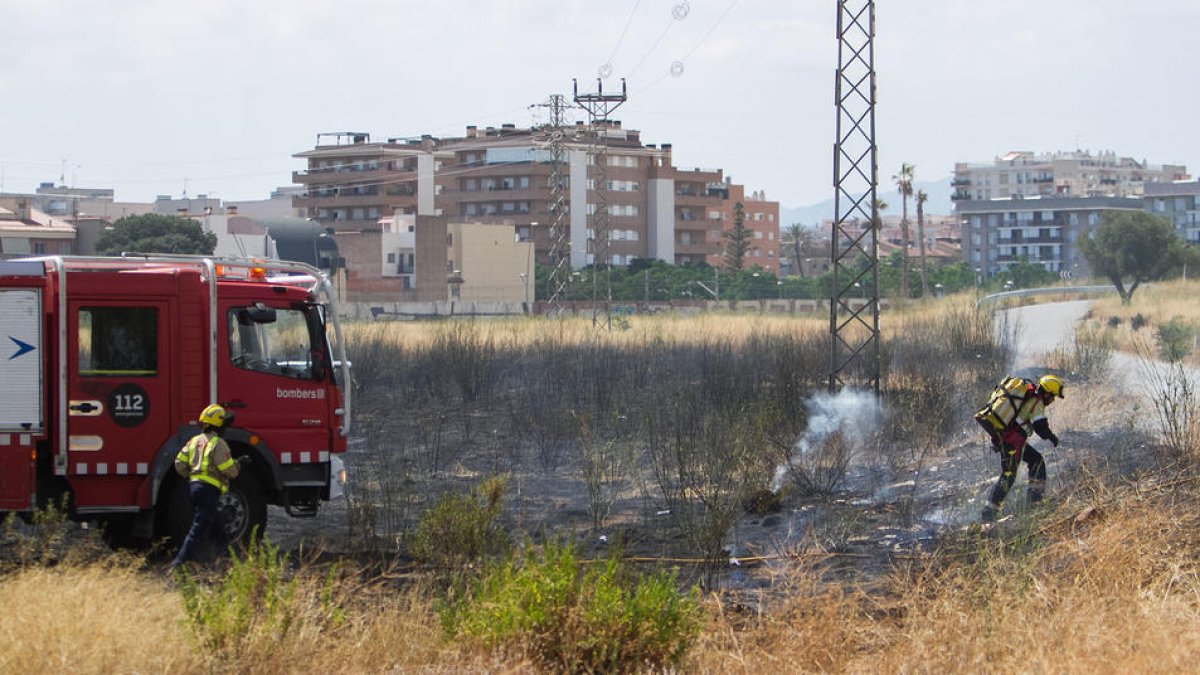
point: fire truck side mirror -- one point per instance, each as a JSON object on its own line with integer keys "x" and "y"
{"x": 260, "y": 313}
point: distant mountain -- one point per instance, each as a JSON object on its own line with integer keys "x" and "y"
{"x": 938, "y": 205}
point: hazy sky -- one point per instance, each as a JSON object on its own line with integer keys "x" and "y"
{"x": 140, "y": 95}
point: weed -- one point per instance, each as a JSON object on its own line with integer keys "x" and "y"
{"x": 1176, "y": 338}
{"x": 1088, "y": 354}
{"x": 49, "y": 537}
{"x": 567, "y": 618}
{"x": 251, "y": 601}
{"x": 460, "y": 529}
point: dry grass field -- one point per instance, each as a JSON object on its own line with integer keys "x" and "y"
{"x": 1101, "y": 578}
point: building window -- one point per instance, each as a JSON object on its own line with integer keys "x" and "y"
{"x": 714, "y": 215}
{"x": 469, "y": 209}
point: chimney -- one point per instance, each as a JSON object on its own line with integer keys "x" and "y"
{"x": 472, "y": 131}
{"x": 231, "y": 209}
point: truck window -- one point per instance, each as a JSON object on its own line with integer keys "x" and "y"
{"x": 119, "y": 341}
{"x": 281, "y": 347}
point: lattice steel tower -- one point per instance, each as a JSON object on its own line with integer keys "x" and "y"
{"x": 599, "y": 106}
{"x": 854, "y": 248}
{"x": 552, "y": 138}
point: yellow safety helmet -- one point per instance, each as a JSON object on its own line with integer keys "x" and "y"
{"x": 215, "y": 416}
{"x": 1052, "y": 385}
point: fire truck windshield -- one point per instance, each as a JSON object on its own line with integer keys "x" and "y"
{"x": 277, "y": 343}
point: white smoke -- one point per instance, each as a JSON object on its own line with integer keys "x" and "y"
{"x": 855, "y": 413}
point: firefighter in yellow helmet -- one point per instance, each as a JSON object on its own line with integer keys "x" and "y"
{"x": 206, "y": 464}
{"x": 1016, "y": 407}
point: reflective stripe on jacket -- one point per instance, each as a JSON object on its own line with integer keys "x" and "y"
{"x": 206, "y": 458}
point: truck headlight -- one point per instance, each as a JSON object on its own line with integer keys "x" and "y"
{"x": 337, "y": 477}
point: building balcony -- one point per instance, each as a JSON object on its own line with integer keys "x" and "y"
{"x": 1030, "y": 240}
{"x": 693, "y": 199}
{"x": 695, "y": 249}
{"x": 958, "y": 182}
{"x": 332, "y": 177}
{"x": 960, "y": 196}
{"x": 347, "y": 201}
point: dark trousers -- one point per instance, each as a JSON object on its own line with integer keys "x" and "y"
{"x": 1010, "y": 460}
{"x": 207, "y": 523}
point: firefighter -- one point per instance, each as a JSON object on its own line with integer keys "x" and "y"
{"x": 1016, "y": 407}
{"x": 207, "y": 465}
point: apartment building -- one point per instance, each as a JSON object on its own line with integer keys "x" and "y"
{"x": 999, "y": 232}
{"x": 24, "y": 230}
{"x": 500, "y": 176}
{"x": 1179, "y": 202}
{"x": 1059, "y": 174}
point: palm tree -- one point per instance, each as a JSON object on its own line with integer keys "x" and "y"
{"x": 799, "y": 240}
{"x": 922, "y": 197}
{"x": 904, "y": 183}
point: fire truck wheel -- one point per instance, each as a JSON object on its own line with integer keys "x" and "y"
{"x": 244, "y": 509}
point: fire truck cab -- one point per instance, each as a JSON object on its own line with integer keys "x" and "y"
{"x": 105, "y": 364}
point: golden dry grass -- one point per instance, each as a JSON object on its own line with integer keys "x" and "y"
{"x": 99, "y": 618}
{"x": 522, "y": 332}
{"x": 1158, "y": 303}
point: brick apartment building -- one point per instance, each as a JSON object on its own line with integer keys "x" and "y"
{"x": 501, "y": 177}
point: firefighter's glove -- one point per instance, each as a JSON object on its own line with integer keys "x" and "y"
{"x": 1054, "y": 440}
{"x": 245, "y": 459}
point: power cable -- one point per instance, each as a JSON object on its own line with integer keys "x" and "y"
{"x": 677, "y": 67}
{"x": 678, "y": 13}
{"x": 606, "y": 68}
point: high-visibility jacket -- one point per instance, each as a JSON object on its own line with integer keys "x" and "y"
{"x": 206, "y": 458}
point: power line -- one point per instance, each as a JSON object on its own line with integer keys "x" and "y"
{"x": 606, "y": 67}
{"x": 678, "y": 13}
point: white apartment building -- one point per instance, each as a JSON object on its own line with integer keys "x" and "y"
{"x": 1060, "y": 174}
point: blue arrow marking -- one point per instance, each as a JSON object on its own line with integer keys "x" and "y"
{"x": 22, "y": 348}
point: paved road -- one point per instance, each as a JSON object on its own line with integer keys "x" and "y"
{"x": 1040, "y": 329}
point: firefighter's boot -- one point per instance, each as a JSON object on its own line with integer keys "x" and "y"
{"x": 1035, "y": 491}
{"x": 989, "y": 513}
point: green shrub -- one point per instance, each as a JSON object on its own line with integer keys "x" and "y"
{"x": 459, "y": 528}
{"x": 1114, "y": 321}
{"x": 572, "y": 619}
{"x": 1175, "y": 339}
{"x": 254, "y": 605}
{"x": 48, "y": 537}
{"x": 251, "y": 599}
{"x": 1138, "y": 321}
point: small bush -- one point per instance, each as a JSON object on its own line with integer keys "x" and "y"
{"x": 252, "y": 598}
{"x": 1114, "y": 321}
{"x": 1088, "y": 354}
{"x": 568, "y": 619}
{"x": 48, "y": 538}
{"x": 1175, "y": 339}
{"x": 459, "y": 529}
{"x": 1138, "y": 321}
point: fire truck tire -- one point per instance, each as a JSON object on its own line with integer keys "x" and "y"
{"x": 244, "y": 508}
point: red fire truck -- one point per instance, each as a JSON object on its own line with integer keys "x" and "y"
{"x": 105, "y": 363}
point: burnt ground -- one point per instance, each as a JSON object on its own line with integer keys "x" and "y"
{"x": 878, "y": 515}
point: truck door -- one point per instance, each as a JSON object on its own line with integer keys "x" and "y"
{"x": 119, "y": 405}
{"x": 20, "y": 393}
{"x": 274, "y": 379}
